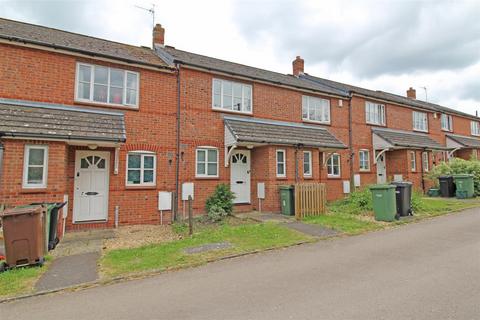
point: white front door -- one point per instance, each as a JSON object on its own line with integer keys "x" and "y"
{"x": 240, "y": 176}
{"x": 90, "y": 201}
{"x": 381, "y": 169}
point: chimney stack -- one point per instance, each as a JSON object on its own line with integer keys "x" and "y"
{"x": 298, "y": 65}
{"x": 411, "y": 93}
{"x": 158, "y": 35}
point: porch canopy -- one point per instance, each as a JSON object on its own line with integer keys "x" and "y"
{"x": 457, "y": 142}
{"x": 253, "y": 132}
{"x": 74, "y": 125}
{"x": 389, "y": 139}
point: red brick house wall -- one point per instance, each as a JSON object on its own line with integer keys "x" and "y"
{"x": 37, "y": 75}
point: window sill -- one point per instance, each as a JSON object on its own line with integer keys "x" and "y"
{"x": 421, "y": 131}
{"x": 207, "y": 178}
{"x": 445, "y": 130}
{"x": 365, "y": 171}
{"x": 233, "y": 112}
{"x": 375, "y": 124}
{"x": 316, "y": 122}
{"x": 308, "y": 177}
{"x": 33, "y": 190}
{"x": 140, "y": 187}
{"x": 105, "y": 105}
{"x": 281, "y": 178}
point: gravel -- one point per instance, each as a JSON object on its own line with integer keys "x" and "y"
{"x": 141, "y": 235}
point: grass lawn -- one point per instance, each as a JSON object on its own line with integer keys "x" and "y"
{"x": 243, "y": 238}
{"x": 348, "y": 217}
{"x": 20, "y": 281}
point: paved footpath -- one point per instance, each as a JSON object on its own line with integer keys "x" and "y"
{"x": 427, "y": 270}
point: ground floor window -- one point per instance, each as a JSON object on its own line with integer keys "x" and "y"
{"x": 141, "y": 168}
{"x": 413, "y": 161}
{"x": 35, "y": 166}
{"x": 281, "y": 161}
{"x": 333, "y": 165}
{"x": 307, "y": 163}
{"x": 206, "y": 163}
{"x": 425, "y": 161}
{"x": 364, "y": 159}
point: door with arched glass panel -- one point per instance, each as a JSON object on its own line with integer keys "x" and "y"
{"x": 90, "y": 201}
{"x": 240, "y": 176}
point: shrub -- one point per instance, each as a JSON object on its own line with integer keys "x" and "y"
{"x": 357, "y": 202}
{"x": 220, "y": 203}
{"x": 457, "y": 166}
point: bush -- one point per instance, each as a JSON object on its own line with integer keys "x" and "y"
{"x": 457, "y": 166}
{"x": 357, "y": 202}
{"x": 220, "y": 203}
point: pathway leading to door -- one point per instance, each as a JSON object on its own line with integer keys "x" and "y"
{"x": 76, "y": 260}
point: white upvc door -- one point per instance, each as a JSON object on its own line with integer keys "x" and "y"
{"x": 240, "y": 176}
{"x": 91, "y": 184}
{"x": 381, "y": 169}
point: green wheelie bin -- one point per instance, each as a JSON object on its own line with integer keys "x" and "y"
{"x": 287, "y": 200}
{"x": 384, "y": 202}
{"x": 464, "y": 184}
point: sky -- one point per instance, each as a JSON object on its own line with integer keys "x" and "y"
{"x": 390, "y": 45}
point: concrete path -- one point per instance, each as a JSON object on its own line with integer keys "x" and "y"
{"x": 312, "y": 230}
{"x": 70, "y": 270}
{"x": 426, "y": 270}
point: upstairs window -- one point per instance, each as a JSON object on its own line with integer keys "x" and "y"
{"x": 315, "y": 109}
{"x": 35, "y": 166}
{"x": 447, "y": 122}
{"x": 232, "y": 96}
{"x": 141, "y": 168}
{"x": 106, "y": 85}
{"x": 375, "y": 113}
{"x": 420, "y": 122}
{"x": 475, "y": 128}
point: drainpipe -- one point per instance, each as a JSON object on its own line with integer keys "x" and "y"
{"x": 350, "y": 141}
{"x": 1, "y": 159}
{"x": 296, "y": 162}
{"x": 421, "y": 168}
{"x": 177, "y": 155}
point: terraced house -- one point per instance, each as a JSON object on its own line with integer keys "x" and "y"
{"x": 120, "y": 130}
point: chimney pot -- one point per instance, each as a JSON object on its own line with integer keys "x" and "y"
{"x": 158, "y": 37}
{"x": 298, "y": 66}
{"x": 411, "y": 93}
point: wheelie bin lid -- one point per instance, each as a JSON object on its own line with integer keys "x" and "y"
{"x": 287, "y": 187}
{"x": 401, "y": 183}
{"x": 30, "y": 209}
{"x": 462, "y": 175}
{"x": 381, "y": 186}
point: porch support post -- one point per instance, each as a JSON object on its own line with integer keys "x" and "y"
{"x": 228, "y": 154}
{"x": 116, "y": 160}
{"x": 378, "y": 155}
{"x": 450, "y": 153}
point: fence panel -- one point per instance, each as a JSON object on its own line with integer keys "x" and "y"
{"x": 310, "y": 199}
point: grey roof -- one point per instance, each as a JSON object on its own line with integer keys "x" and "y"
{"x": 41, "y": 120}
{"x": 237, "y": 69}
{"x": 399, "y": 138}
{"x": 281, "y": 133}
{"x": 468, "y": 142}
{"x": 40, "y": 35}
{"x": 376, "y": 94}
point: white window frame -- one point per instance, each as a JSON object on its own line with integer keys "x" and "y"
{"x": 367, "y": 152}
{"x": 324, "y": 109}
{"x": 142, "y": 155}
{"x": 420, "y": 119}
{"x": 309, "y": 163}
{"x": 425, "y": 161}
{"x": 92, "y": 75}
{"x": 206, "y": 149}
{"x": 475, "y": 128}
{"x": 284, "y": 174}
{"x": 446, "y": 119}
{"x": 374, "y": 111}
{"x": 221, "y": 108}
{"x": 26, "y": 166}
{"x": 330, "y": 159}
{"x": 413, "y": 161}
